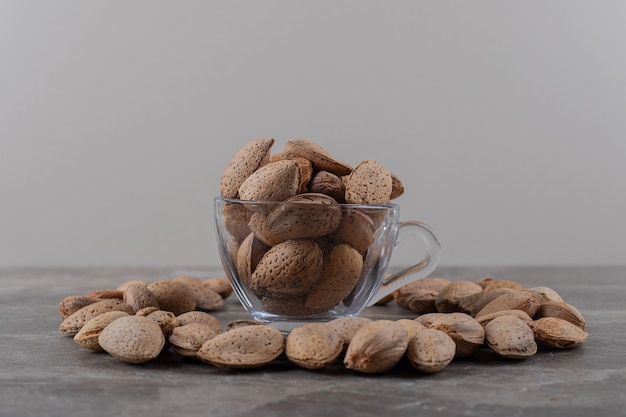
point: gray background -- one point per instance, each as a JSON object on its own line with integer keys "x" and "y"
{"x": 505, "y": 120}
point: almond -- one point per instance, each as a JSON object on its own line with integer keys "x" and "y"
{"x": 340, "y": 273}
{"x": 88, "y": 335}
{"x": 246, "y": 160}
{"x": 186, "y": 340}
{"x": 356, "y": 229}
{"x": 275, "y": 181}
{"x": 319, "y": 157}
{"x": 369, "y": 183}
{"x": 243, "y": 347}
{"x": 467, "y": 333}
{"x": 174, "y": 296}
{"x": 74, "y": 322}
{"x": 328, "y": 183}
{"x": 288, "y": 270}
{"x": 132, "y": 339}
{"x": 308, "y": 215}
{"x": 557, "y": 333}
{"x": 138, "y": 296}
{"x": 448, "y": 298}
{"x": 376, "y": 347}
{"x": 313, "y": 345}
{"x": 430, "y": 350}
{"x": 510, "y": 337}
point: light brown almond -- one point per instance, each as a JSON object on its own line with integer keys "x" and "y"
{"x": 546, "y": 294}
{"x": 87, "y": 337}
{"x": 243, "y": 347}
{"x": 510, "y": 337}
{"x": 356, "y": 229}
{"x": 517, "y": 300}
{"x": 347, "y": 326}
{"x": 71, "y": 304}
{"x": 106, "y": 293}
{"x": 74, "y": 322}
{"x": 430, "y": 350}
{"x": 308, "y": 215}
{"x": 220, "y": 285}
{"x": 369, "y": 183}
{"x": 561, "y": 310}
{"x": 448, "y": 298}
{"x": 132, "y": 339}
{"x": 467, "y": 333}
{"x": 319, "y": 157}
{"x": 186, "y": 340}
{"x": 376, "y": 347}
{"x": 557, "y": 333}
{"x": 313, "y": 345}
{"x": 246, "y": 160}
{"x": 483, "y": 320}
{"x": 138, "y": 296}
{"x": 174, "y": 296}
{"x": 328, "y": 183}
{"x": 419, "y": 296}
{"x": 340, "y": 273}
{"x": 289, "y": 269}
{"x": 199, "y": 317}
{"x": 276, "y": 181}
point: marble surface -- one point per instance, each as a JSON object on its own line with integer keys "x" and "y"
{"x": 44, "y": 373}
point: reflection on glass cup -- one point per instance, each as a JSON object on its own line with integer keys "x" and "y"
{"x": 317, "y": 260}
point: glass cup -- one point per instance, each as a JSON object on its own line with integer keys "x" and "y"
{"x": 296, "y": 263}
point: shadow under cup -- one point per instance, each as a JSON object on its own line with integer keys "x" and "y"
{"x": 296, "y": 263}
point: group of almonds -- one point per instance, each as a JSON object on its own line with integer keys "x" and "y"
{"x": 305, "y": 255}
{"x": 138, "y": 320}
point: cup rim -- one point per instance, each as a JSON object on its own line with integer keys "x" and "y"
{"x": 270, "y": 202}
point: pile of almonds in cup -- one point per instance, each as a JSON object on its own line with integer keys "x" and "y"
{"x": 303, "y": 258}
{"x": 139, "y": 320}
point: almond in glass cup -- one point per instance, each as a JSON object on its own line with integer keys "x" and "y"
{"x": 315, "y": 260}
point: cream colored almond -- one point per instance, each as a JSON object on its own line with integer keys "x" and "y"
{"x": 523, "y": 300}
{"x": 376, "y": 347}
{"x": 562, "y": 310}
{"x": 106, "y": 293}
{"x": 199, "y": 317}
{"x": 448, "y": 298}
{"x": 467, "y": 333}
{"x": 132, "y": 339}
{"x": 313, "y": 345}
{"x": 346, "y": 327}
{"x": 87, "y": 337}
{"x": 220, "y": 285}
{"x": 483, "y": 320}
{"x": 71, "y": 304}
{"x": 547, "y": 294}
{"x": 412, "y": 327}
{"x": 430, "y": 350}
{"x": 243, "y": 347}
{"x": 74, "y": 322}
{"x": 186, "y": 340}
{"x": 557, "y": 333}
{"x": 166, "y": 320}
{"x": 510, "y": 337}
{"x": 174, "y": 296}
{"x": 138, "y": 296}
{"x": 419, "y": 296}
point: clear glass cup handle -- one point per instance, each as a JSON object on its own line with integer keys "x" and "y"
{"x": 421, "y": 269}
